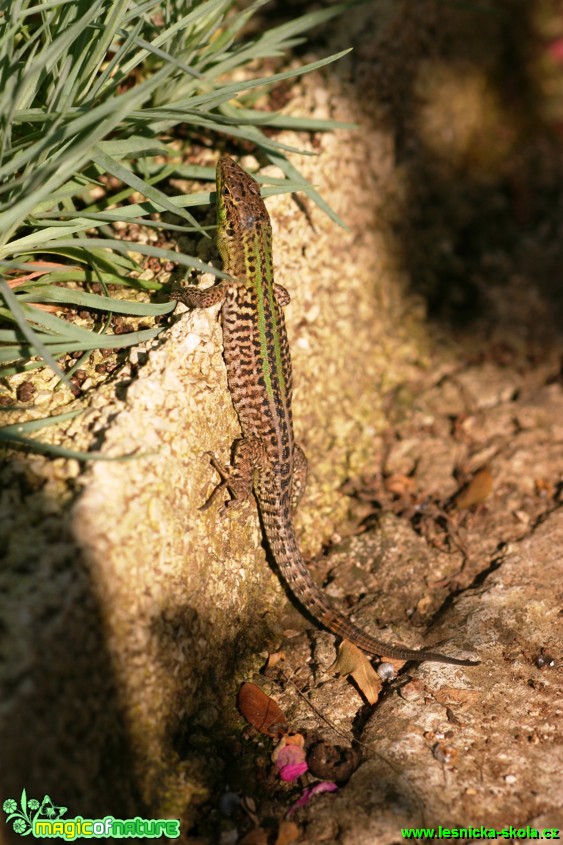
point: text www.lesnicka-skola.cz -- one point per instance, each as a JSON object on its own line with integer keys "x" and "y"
{"x": 481, "y": 832}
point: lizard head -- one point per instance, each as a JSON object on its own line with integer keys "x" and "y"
{"x": 239, "y": 204}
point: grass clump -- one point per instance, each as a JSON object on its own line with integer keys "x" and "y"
{"x": 93, "y": 95}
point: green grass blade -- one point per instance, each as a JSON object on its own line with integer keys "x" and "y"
{"x": 153, "y": 251}
{"x": 16, "y": 435}
{"x": 12, "y": 302}
{"x": 65, "y": 296}
{"x": 120, "y": 172}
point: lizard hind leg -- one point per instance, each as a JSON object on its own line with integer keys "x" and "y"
{"x": 238, "y": 478}
{"x": 281, "y": 294}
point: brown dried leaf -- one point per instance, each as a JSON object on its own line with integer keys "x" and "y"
{"x": 261, "y": 711}
{"x": 296, "y": 740}
{"x": 274, "y": 658}
{"x": 544, "y": 488}
{"x": 424, "y": 604}
{"x": 288, "y": 833}
{"x": 476, "y": 491}
{"x": 352, "y": 661}
{"x": 400, "y": 485}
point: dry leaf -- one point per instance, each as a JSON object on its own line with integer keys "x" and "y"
{"x": 275, "y": 658}
{"x": 544, "y": 488}
{"x": 476, "y": 491}
{"x": 288, "y": 833}
{"x": 248, "y": 804}
{"x": 261, "y": 711}
{"x": 295, "y": 739}
{"x": 424, "y": 605}
{"x": 400, "y": 485}
{"x": 352, "y": 661}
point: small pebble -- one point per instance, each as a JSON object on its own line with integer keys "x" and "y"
{"x": 386, "y": 671}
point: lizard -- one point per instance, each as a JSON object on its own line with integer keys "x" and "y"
{"x": 266, "y": 460}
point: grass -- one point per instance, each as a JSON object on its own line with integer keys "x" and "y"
{"x": 92, "y": 96}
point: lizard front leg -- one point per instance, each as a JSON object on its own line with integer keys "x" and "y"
{"x": 197, "y": 298}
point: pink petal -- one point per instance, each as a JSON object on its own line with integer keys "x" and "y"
{"x": 323, "y": 786}
{"x": 290, "y": 754}
{"x": 293, "y": 770}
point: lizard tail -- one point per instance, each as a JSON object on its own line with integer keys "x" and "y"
{"x": 289, "y": 560}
